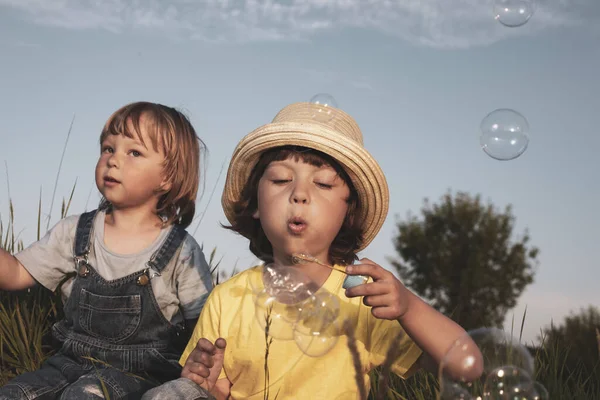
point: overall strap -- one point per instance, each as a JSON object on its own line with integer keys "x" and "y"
{"x": 83, "y": 234}
{"x": 161, "y": 258}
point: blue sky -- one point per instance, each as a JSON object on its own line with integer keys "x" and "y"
{"x": 418, "y": 76}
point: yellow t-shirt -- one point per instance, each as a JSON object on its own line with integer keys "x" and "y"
{"x": 230, "y": 312}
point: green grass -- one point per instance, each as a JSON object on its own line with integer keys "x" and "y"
{"x": 27, "y": 316}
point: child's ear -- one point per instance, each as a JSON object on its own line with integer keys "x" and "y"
{"x": 256, "y": 215}
{"x": 165, "y": 186}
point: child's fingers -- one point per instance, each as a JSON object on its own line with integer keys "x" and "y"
{"x": 194, "y": 368}
{"x": 201, "y": 357}
{"x": 377, "y": 300}
{"x": 368, "y": 269}
{"x": 206, "y": 345}
{"x": 390, "y": 313}
{"x": 220, "y": 344}
{"x": 367, "y": 289}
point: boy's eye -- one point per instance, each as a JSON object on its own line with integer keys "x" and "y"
{"x": 324, "y": 185}
{"x": 135, "y": 153}
{"x": 107, "y": 149}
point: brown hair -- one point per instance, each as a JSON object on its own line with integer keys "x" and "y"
{"x": 171, "y": 132}
{"x": 348, "y": 240}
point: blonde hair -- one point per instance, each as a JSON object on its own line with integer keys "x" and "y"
{"x": 171, "y": 132}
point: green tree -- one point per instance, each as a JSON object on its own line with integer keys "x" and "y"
{"x": 460, "y": 255}
{"x": 579, "y": 336}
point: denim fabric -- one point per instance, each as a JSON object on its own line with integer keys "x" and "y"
{"x": 114, "y": 336}
{"x": 180, "y": 389}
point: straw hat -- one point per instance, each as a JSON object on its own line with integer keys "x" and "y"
{"x": 339, "y": 137}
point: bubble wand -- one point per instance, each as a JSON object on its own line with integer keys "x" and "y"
{"x": 350, "y": 281}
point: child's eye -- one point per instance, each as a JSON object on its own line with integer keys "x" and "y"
{"x": 323, "y": 185}
{"x": 135, "y": 153}
{"x": 280, "y": 181}
{"x": 107, "y": 149}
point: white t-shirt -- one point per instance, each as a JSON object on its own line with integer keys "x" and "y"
{"x": 184, "y": 283}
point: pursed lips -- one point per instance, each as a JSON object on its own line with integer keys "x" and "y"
{"x": 297, "y": 225}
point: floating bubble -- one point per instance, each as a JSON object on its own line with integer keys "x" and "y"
{"x": 287, "y": 283}
{"x": 510, "y": 383}
{"x": 317, "y": 330}
{"x": 538, "y": 392}
{"x": 504, "y": 134}
{"x": 513, "y": 13}
{"x": 325, "y": 102}
{"x": 468, "y": 363}
{"x": 275, "y": 318}
{"x": 279, "y": 297}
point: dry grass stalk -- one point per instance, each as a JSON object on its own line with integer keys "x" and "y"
{"x": 358, "y": 377}
{"x": 390, "y": 357}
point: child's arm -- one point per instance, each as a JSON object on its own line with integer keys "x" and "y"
{"x": 46, "y": 261}
{"x": 13, "y": 275}
{"x": 193, "y": 281}
{"x": 432, "y": 331}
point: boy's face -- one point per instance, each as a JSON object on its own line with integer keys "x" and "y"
{"x": 301, "y": 207}
{"x": 129, "y": 173}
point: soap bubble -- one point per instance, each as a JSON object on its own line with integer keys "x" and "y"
{"x": 510, "y": 383}
{"x": 504, "y": 134}
{"x": 288, "y": 284}
{"x": 279, "y": 298}
{"x": 325, "y": 102}
{"x": 317, "y": 329}
{"x": 471, "y": 359}
{"x": 513, "y": 13}
{"x": 538, "y": 392}
{"x": 278, "y": 316}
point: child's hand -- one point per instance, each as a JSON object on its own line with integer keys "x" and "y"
{"x": 387, "y": 296}
{"x": 205, "y": 363}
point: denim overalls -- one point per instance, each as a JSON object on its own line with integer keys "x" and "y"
{"x": 113, "y": 338}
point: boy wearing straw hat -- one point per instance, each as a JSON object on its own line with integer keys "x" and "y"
{"x": 300, "y": 185}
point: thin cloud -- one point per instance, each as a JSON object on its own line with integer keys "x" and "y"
{"x": 433, "y": 23}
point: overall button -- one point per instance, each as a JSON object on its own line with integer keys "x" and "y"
{"x": 143, "y": 280}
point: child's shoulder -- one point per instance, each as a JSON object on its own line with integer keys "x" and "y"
{"x": 248, "y": 277}
{"x": 67, "y": 223}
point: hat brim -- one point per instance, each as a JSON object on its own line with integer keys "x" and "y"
{"x": 364, "y": 172}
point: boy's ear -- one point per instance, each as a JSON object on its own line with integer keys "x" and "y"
{"x": 256, "y": 215}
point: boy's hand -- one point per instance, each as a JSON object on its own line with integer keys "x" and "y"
{"x": 205, "y": 363}
{"x": 386, "y": 295}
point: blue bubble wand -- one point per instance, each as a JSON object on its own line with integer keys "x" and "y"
{"x": 349, "y": 282}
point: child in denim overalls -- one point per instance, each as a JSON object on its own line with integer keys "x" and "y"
{"x": 136, "y": 280}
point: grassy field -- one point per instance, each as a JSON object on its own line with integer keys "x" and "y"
{"x": 26, "y": 318}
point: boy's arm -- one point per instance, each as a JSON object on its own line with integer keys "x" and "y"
{"x": 434, "y": 333}
{"x": 13, "y": 275}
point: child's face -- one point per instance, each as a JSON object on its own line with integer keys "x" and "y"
{"x": 129, "y": 174}
{"x": 301, "y": 207}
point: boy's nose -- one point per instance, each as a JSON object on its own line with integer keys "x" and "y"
{"x": 300, "y": 199}
{"x": 300, "y": 195}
